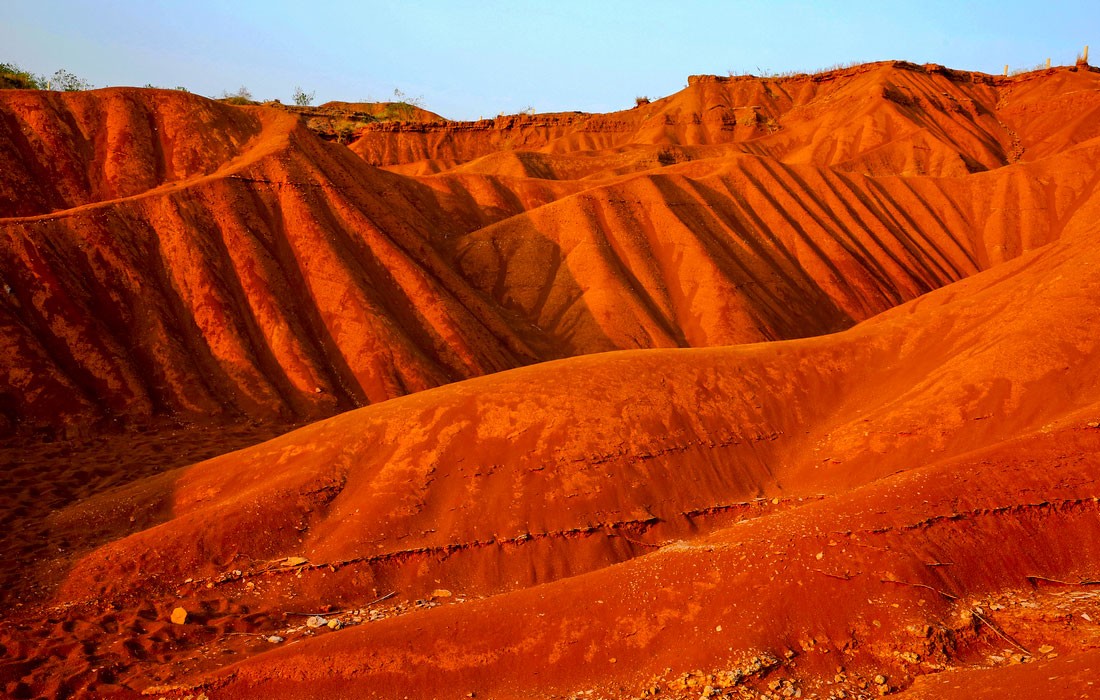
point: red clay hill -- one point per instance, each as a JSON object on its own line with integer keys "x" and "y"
{"x": 770, "y": 388}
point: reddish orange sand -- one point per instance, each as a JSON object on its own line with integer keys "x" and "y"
{"x": 845, "y": 444}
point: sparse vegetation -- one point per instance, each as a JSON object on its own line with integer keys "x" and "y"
{"x": 641, "y": 100}
{"x": 303, "y": 98}
{"x": 346, "y": 131}
{"x": 65, "y": 81}
{"x": 243, "y": 96}
{"x": 1021, "y": 71}
{"x": 403, "y": 107}
{"x": 774, "y": 74}
{"x": 12, "y": 76}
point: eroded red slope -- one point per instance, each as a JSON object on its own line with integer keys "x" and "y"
{"x": 293, "y": 282}
{"x": 911, "y": 495}
{"x": 64, "y": 149}
{"x": 883, "y": 464}
{"x": 191, "y": 259}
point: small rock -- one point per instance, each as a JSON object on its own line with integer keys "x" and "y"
{"x": 179, "y": 616}
{"x": 1094, "y": 424}
{"x": 880, "y": 679}
{"x": 275, "y": 639}
{"x": 1046, "y": 649}
{"x": 441, "y": 593}
{"x": 335, "y": 624}
{"x": 316, "y": 621}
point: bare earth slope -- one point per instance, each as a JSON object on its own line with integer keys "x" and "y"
{"x": 841, "y": 495}
{"x": 290, "y": 281}
{"x": 843, "y": 443}
{"x": 192, "y": 259}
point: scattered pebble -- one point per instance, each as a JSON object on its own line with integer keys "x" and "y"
{"x": 275, "y": 639}
{"x": 179, "y": 616}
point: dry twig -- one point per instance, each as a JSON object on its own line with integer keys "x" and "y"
{"x": 1064, "y": 583}
{"x": 921, "y": 585}
{"x": 845, "y": 577}
{"x": 342, "y": 612}
{"x": 1000, "y": 634}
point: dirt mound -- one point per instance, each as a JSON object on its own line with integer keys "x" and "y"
{"x": 386, "y": 111}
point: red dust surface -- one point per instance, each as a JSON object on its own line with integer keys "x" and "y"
{"x": 770, "y": 388}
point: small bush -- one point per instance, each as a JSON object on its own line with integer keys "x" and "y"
{"x": 402, "y": 108}
{"x": 243, "y": 96}
{"x": 641, "y": 101}
{"x": 65, "y": 81}
{"x": 303, "y": 98}
{"x": 15, "y": 77}
{"x": 61, "y": 80}
{"x": 346, "y": 131}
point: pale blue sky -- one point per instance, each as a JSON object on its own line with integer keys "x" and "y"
{"x": 468, "y": 59}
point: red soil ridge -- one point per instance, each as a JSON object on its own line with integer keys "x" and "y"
{"x": 845, "y": 445}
